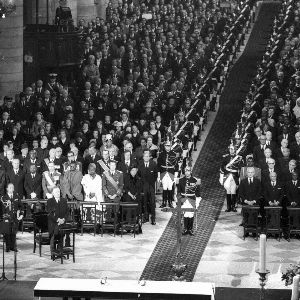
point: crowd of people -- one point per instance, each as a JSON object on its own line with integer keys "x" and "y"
{"x": 262, "y": 166}
{"x": 113, "y": 134}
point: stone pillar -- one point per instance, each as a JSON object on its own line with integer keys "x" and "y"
{"x": 86, "y": 9}
{"x": 11, "y": 52}
{"x": 101, "y": 8}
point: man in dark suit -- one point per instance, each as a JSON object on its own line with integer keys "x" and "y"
{"x": 272, "y": 167}
{"x": 292, "y": 189}
{"x": 273, "y": 191}
{"x": 16, "y": 177}
{"x": 258, "y": 151}
{"x": 286, "y": 173}
{"x": 57, "y": 209}
{"x": 10, "y": 211}
{"x": 295, "y": 147}
{"x": 148, "y": 173}
{"x": 126, "y": 164}
{"x": 33, "y": 183}
{"x": 92, "y": 157}
{"x": 32, "y": 160}
{"x": 250, "y": 189}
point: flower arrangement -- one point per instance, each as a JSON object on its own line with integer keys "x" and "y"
{"x": 291, "y": 271}
{"x": 7, "y": 7}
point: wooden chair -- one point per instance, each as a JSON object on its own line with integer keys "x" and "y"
{"x": 130, "y": 218}
{"x": 273, "y": 220}
{"x": 27, "y": 221}
{"x": 40, "y": 231}
{"x": 108, "y": 222}
{"x": 65, "y": 251}
{"x": 250, "y": 220}
{"x": 89, "y": 215}
{"x": 293, "y": 221}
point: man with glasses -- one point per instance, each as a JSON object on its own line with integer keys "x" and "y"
{"x": 71, "y": 159}
{"x": 272, "y": 167}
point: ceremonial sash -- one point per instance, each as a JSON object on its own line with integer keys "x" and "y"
{"x": 112, "y": 181}
{"x": 49, "y": 180}
{"x": 103, "y": 165}
{"x": 232, "y": 162}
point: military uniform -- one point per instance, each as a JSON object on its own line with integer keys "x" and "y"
{"x": 168, "y": 171}
{"x": 104, "y": 165}
{"x": 49, "y": 181}
{"x": 10, "y": 210}
{"x": 112, "y": 184}
{"x": 229, "y": 177}
{"x": 188, "y": 192}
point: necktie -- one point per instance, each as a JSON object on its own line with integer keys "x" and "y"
{"x": 273, "y": 184}
{"x": 32, "y": 176}
{"x": 295, "y": 183}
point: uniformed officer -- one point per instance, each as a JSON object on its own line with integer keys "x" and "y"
{"x": 50, "y": 180}
{"x": 10, "y": 212}
{"x": 167, "y": 173}
{"x": 188, "y": 192}
{"x": 112, "y": 186}
{"x": 229, "y": 176}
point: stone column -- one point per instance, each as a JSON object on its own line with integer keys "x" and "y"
{"x": 11, "y": 52}
{"x": 101, "y": 8}
{"x": 86, "y": 9}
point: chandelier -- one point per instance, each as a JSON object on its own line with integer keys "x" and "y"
{"x": 7, "y": 7}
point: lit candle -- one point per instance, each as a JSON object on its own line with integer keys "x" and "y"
{"x": 262, "y": 253}
{"x": 295, "y": 289}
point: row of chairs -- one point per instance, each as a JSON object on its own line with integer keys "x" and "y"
{"x": 272, "y": 222}
{"x": 88, "y": 215}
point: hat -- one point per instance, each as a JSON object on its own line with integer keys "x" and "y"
{"x": 24, "y": 146}
{"x": 52, "y": 75}
{"x": 108, "y": 137}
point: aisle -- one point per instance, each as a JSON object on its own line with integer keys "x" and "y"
{"x": 208, "y": 162}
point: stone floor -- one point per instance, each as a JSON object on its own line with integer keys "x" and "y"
{"x": 96, "y": 257}
{"x": 229, "y": 261}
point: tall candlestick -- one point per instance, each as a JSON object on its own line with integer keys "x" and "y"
{"x": 295, "y": 288}
{"x": 262, "y": 253}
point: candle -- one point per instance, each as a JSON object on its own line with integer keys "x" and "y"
{"x": 295, "y": 288}
{"x": 262, "y": 253}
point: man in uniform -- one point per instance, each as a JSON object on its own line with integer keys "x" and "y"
{"x": 10, "y": 211}
{"x": 188, "y": 192}
{"x": 112, "y": 186}
{"x": 104, "y": 162}
{"x": 229, "y": 175}
{"x": 167, "y": 173}
{"x": 51, "y": 179}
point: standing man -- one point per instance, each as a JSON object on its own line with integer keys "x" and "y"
{"x": 57, "y": 209}
{"x": 112, "y": 185}
{"x": 229, "y": 174}
{"x": 10, "y": 211}
{"x": 189, "y": 195}
{"x": 51, "y": 179}
{"x": 167, "y": 173}
{"x": 33, "y": 183}
{"x": 16, "y": 177}
{"x": 148, "y": 173}
{"x": 71, "y": 183}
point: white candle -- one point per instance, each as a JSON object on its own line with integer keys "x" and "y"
{"x": 262, "y": 253}
{"x": 295, "y": 288}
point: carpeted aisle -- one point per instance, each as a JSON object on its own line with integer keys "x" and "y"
{"x": 208, "y": 162}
